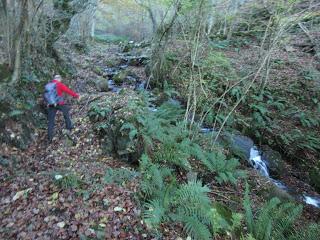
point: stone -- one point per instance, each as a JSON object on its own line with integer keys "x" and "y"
{"x": 61, "y": 224}
{"x": 238, "y": 145}
{"x": 120, "y": 77}
{"x": 274, "y": 161}
{"x": 102, "y": 85}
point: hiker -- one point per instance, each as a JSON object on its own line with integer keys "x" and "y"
{"x": 54, "y": 99}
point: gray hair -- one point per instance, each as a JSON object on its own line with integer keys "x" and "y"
{"x": 57, "y": 77}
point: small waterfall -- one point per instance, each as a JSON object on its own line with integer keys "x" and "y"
{"x": 261, "y": 166}
{"x": 312, "y": 201}
{"x": 257, "y": 163}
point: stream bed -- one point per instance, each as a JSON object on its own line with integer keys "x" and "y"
{"x": 254, "y": 156}
{"x": 260, "y": 162}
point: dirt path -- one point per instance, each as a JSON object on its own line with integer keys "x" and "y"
{"x": 58, "y": 191}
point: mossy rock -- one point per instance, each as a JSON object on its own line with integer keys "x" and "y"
{"x": 120, "y": 77}
{"x": 238, "y": 145}
{"x": 274, "y": 161}
{"x": 102, "y": 84}
{"x": 115, "y": 139}
{"x": 97, "y": 70}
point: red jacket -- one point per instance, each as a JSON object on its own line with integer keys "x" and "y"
{"x": 61, "y": 88}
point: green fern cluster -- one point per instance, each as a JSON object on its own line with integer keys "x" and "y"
{"x": 226, "y": 169}
{"x": 187, "y": 203}
{"x": 276, "y": 220}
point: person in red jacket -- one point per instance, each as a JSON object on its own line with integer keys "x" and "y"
{"x": 52, "y": 109}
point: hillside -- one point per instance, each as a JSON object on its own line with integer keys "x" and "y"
{"x": 196, "y": 120}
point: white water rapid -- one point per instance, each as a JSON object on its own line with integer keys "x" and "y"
{"x": 261, "y": 166}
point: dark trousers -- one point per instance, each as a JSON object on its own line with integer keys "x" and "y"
{"x": 51, "y": 118}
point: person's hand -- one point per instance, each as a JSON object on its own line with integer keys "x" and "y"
{"x": 79, "y": 98}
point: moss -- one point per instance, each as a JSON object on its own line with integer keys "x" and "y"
{"x": 120, "y": 77}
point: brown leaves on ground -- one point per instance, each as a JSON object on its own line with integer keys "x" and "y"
{"x": 33, "y": 206}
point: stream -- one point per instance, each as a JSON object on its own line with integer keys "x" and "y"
{"x": 258, "y": 161}
{"x": 254, "y": 156}
{"x": 261, "y": 165}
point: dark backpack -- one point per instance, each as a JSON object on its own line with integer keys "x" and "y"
{"x": 51, "y": 96}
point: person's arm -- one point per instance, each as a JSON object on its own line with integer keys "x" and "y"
{"x": 64, "y": 88}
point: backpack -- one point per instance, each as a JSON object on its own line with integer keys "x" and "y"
{"x": 51, "y": 96}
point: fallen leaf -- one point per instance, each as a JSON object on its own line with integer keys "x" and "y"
{"x": 61, "y": 224}
{"x": 118, "y": 209}
{"x": 20, "y": 194}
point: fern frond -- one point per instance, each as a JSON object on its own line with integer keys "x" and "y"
{"x": 248, "y": 210}
{"x": 194, "y": 228}
{"x": 155, "y": 212}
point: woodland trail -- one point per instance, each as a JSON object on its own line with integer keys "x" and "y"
{"x": 36, "y": 204}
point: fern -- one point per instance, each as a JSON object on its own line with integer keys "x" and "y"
{"x": 248, "y": 210}
{"x": 311, "y": 232}
{"x": 196, "y": 229}
{"x": 155, "y": 212}
{"x": 275, "y": 220}
{"x": 153, "y": 177}
{"x": 225, "y": 169}
{"x": 192, "y": 208}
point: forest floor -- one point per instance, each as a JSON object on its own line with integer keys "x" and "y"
{"x": 36, "y": 204}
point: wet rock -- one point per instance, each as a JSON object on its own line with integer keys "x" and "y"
{"x": 135, "y": 61}
{"x": 238, "y": 144}
{"x": 274, "y": 161}
{"x": 120, "y": 77}
{"x": 110, "y": 72}
{"x": 140, "y": 85}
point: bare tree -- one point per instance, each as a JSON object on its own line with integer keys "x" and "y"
{"x": 147, "y": 5}
{"x": 23, "y": 19}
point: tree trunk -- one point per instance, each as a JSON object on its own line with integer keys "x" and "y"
{"x": 18, "y": 42}
{"x": 148, "y": 8}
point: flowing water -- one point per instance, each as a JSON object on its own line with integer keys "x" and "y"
{"x": 259, "y": 163}
{"x": 242, "y": 142}
{"x": 261, "y": 166}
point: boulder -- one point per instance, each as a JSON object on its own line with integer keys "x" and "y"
{"x": 102, "y": 85}
{"x": 238, "y": 145}
{"x": 274, "y": 161}
{"x": 116, "y": 140}
{"x": 120, "y": 77}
